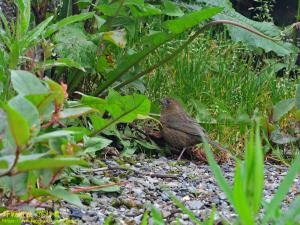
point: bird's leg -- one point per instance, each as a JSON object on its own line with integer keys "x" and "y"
{"x": 179, "y": 157}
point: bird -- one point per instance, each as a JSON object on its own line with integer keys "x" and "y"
{"x": 179, "y": 129}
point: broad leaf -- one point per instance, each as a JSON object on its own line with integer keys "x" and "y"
{"x": 282, "y": 108}
{"x": 54, "y": 134}
{"x": 190, "y": 20}
{"x": 18, "y": 125}
{"x": 75, "y": 112}
{"x": 28, "y": 111}
{"x": 48, "y": 163}
{"x": 67, "y": 21}
{"x": 172, "y": 9}
{"x": 94, "y": 144}
{"x": 26, "y": 83}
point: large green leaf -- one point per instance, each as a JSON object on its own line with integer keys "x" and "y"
{"x": 36, "y": 32}
{"x": 126, "y": 108}
{"x": 23, "y": 19}
{"x": 59, "y": 193}
{"x": 94, "y": 144}
{"x": 75, "y": 112}
{"x": 190, "y": 20}
{"x": 54, "y": 134}
{"x": 44, "y": 104}
{"x": 282, "y": 108}
{"x": 48, "y": 163}
{"x": 67, "y": 21}
{"x": 26, "y": 83}
{"x": 67, "y": 196}
{"x": 249, "y": 38}
{"x": 28, "y": 111}
{"x": 172, "y": 9}
{"x": 18, "y": 125}
{"x": 73, "y": 43}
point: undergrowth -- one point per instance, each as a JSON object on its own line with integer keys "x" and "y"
{"x": 221, "y": 84}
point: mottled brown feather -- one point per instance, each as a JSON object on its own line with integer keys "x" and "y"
{"x": 179, "y": 129}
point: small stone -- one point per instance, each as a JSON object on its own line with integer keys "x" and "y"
{"x": 195, "y": 204}
{"x": 186, "y": 198}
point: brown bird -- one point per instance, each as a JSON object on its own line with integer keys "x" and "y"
{"x": 179, "y": 129}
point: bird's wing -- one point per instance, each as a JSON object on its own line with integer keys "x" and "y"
{"x": 186, "y": 124}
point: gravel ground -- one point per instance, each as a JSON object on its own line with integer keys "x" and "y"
{"x": 194, "y": 185}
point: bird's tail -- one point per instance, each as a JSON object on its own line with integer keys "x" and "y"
{"x": 213, "y": 143}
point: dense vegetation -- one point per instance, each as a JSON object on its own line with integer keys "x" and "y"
{"x": 79, "y": 76}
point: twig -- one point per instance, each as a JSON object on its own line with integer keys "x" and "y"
{"x": 132, "y": 170}
{"x": 9, "y": 171}
{"x": 80, "y": 189}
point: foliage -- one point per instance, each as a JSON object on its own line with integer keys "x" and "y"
{"x": 221, "y": 84}
{"x": 246, "y": 193}
{"x": 40, "y": 136}
{"x": 104, "y": 52}
{"x": 237, "y": 34}
{"x": 18, "y": 42}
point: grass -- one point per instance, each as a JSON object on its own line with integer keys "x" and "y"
{"x": 221, "y": 84}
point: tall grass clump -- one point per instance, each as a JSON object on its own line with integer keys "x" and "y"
{"x": 220, "y": 82}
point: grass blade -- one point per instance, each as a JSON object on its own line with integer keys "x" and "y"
{"x": 282, "y": 191}
{"x": 184, "y": 209}
{"x": 218, "y": 173}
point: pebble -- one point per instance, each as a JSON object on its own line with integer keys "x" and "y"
{"x": 195, "y": 186}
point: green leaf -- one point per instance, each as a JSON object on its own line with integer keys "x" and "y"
{"x": 184, "y": 209}
{"x": 282, "y": 191}
{"x": 66, "y": 9}
{"x": 247, "y": 37}
{"x": 145, "y": 10}
{"x": 172, "y": 9}
{"x": 258, "y": 182}
{"x": 44, "y": 104}
{"x": 60, "y": 62}
{"x": 83, "y": 52}
{"x": 18, "y": 125}
{"x": 190, "y": 20}
{"x": 94, "y": 144}
{"x": 241, "y": 203}
{"x": 157, "y": 218}
{"x": 54, "y": 134}
{"x": 282, "y": 108}
{"x": 117, "y": 37}
{"x": 128, "y": 61}
{"x": 218, "y": 173}
{"x": 23, "y": 19}
{"x": 58, "y": 91}
{"x": 48, "y": 163}
{"x": 36, "y": 32}
{"x": 3, "y": 164}
{"x": 145, "y": 218}
{"x": 67, "y": 21}
{"x": 94, "y": 102}
{"x": 291, "y": 215}
{"x": 75, "y": 112}
{"x": 67, "y": 196}
{"x": 28, "y": 111}
{"x": 26, "y": 83}
{"x": 127, "y": 108}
